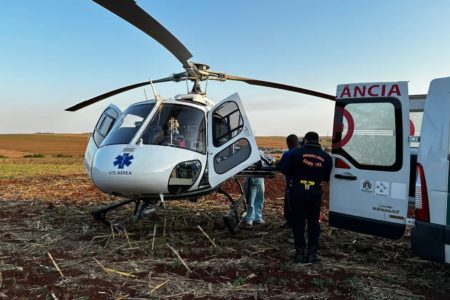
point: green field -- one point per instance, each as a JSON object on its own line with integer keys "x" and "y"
{"x": 21, "y": 168}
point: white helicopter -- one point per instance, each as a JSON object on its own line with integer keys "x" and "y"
{"x": 177, "y": 148}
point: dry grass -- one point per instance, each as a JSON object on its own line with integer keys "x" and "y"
{"x": 18, "y": 145}
{"x": 50, "y": 144}
{"x": 279, "y": 142}
{"x": 45, "y": 206}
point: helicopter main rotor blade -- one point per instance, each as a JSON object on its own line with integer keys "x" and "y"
{"x": 133, "y": 14}
{"x": 280, "y": 86}
{"x": 117, "y": 91}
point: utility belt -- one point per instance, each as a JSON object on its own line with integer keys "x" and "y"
{"x": 308, "y": 191}
{"x": 305, "y": 184}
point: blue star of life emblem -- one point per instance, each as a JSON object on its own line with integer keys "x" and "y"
{"x": 123, "y": 160}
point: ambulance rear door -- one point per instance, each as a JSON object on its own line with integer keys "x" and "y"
{"x": 370, "y": 149}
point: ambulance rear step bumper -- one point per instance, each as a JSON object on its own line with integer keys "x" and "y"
{"x": 368, "y": 226}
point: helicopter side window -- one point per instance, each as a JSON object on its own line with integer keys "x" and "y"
{"x": 104, "y": 125}
{"x": 130, "y": 121}
{"x": 227, "y": 123}
{"x": 180, "y": 126}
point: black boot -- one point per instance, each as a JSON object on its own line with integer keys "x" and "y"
{"x": 312, "y": 254}
{"x": 300, "y": 255}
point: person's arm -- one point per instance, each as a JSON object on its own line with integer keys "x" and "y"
{"x": 288, "y": 166}
{"x": 281, "y": 162}
{"x": 327, "y": 169}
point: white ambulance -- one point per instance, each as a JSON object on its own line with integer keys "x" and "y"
{"x": 381, "y": 164}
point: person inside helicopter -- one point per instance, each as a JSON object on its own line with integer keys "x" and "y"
{"x": 178, "y": 126}
{"x": 171, "y": 131}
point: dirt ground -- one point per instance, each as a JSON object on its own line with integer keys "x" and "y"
{"x": 51, "y": 248}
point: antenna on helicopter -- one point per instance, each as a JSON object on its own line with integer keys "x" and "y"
{"x": 157, "y": 97}
{"x": 145, "y": 93}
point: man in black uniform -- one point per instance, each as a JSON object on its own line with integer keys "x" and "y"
{"x": 292, "y": 142}
{"x": 307, "y": 167}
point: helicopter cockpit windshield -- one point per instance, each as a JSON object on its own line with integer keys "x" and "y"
{"x": 178, "y": 126}
{"x": 130, "y": 121}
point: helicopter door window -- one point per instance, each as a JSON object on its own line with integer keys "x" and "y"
{"x": 125, "y": 129}
{"x": 232, "y": 156}
{"x": 227, "y": 123}
{"x": 180, "y": 126}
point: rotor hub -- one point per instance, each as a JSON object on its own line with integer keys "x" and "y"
{"x": 201, "y": 67}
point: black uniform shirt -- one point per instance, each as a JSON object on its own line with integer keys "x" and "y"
{"x": 308, "y": 163}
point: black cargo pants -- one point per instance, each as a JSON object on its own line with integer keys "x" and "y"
{"x": 305, "y": 210}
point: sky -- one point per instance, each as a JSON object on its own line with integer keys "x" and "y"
{"x": 56, "y": 53}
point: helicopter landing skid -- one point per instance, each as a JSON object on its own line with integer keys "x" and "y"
{"x": 100, "y": 213}
{"x": 140, "y": 209}
{"x": 147, "y": 207}
{"x": 233, "y": 219}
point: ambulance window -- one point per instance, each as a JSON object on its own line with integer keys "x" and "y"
{"x": 232, "y": 156}
{"x": 227, "y": 123}
{"x": 368, "y": 134}
{"x": 126, "y": 127}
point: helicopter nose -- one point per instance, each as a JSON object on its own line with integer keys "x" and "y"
{"x": 120, "y": 170}
{"x": 136, "y": 171}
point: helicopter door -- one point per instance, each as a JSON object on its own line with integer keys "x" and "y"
{"x": 231, "y": 144}
{"x": 370, "y": 178}
{"x": 104, "y": 125}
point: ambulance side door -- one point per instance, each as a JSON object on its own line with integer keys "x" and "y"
{"x": 104, "y": 125}
{"x": 231, "y": 144}
{"x": 371, "y": 156}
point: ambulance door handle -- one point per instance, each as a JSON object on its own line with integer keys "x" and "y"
{"x": 345, "y": 176}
